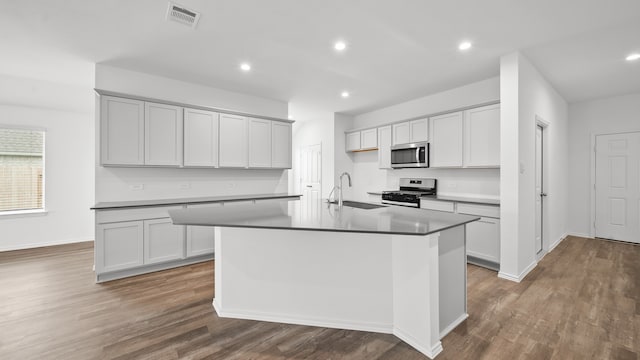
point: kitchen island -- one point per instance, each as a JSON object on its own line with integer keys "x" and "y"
{"x": 388, "y": 269}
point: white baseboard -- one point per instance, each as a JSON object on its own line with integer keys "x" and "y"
{"x": 413, "y": 342}
{"x": 453, "y": 325}
{"x": 43, "y": 244}
{"x": 557, "y": 242}
{"x": 307, "y": 321}
{"x": 588, "y": 236}
{"x": 519, "y": 277}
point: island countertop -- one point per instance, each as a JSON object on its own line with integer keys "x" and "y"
{"x": 322, "y": 216}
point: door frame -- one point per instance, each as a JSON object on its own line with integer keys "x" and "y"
{"x": 592, "y": 184}
{"x": 545, "y": 125}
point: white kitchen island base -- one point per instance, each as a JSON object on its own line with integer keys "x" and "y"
{"x": 412, "y": 286}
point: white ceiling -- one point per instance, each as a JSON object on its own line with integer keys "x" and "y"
{"x": 397, "y": 50}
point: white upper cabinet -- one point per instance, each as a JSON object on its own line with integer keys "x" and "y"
{"x": 353, "y": 141}
{"x": 419, "y": 130}
{"x": 384, "y": 147}
{"x": 163, "y": 134}
{"x": 446, "y": 140}
{"x": 200, "y": 138}
{"x": 121, "y": 131}
{"x": 369, "y": 139}
{"x": 259, "y": 143}
{"x": 281, "y": 145}
{"x": 411, "y": 131}
{"x": 482, "y": 136}
{"x": 233, "y": 141}
{"x": 401, "y": 133}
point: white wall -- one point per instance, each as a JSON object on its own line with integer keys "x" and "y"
{"x": 483, "y": 183}
{"x": 602, "y": 116}
{"x": 343, "y": 161}
{"x": 66, "y": 113}
{"x": 113, "y": 184}
{"x": 526, "y": 97}
{"x": 313, "y": 126}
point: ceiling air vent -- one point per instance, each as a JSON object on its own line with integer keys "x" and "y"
{"x": 182, "y": 15}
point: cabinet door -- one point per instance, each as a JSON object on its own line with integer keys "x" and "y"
{"x": 482, "y": 136}
{"x": 369, "y": 139}
{"x": 281, "y": 145}
{"x": 483, "y": 239}
{"x": 119, "y": 246}
{"x": 384, "y": 147}
{"x": 353, "y": 141}
{"x": 446, "y": 140}
{"x": 163, "y": 241}
{"x": 401, "y": 133}
{"x": 121, "y": 131}
{"x": 419, "y": 130}
{"x": 200, "y": 239}
{"x": 259, "y": 143}
{"x": 200, "y": 138}
{"x": 162, "y": 135}
{"x": 233, "y": 141}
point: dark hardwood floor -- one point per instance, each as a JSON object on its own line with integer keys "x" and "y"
{"x": 581, "y": 302}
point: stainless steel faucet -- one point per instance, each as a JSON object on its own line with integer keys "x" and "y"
{"x": 340, "y": 186}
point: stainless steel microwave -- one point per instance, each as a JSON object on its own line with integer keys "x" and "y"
{"x": 410, "y": 155}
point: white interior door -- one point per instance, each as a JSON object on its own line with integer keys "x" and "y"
{"x": 540, "y": 194}
{"x": 617, "y": 187}
{"x": 311, "y": 177}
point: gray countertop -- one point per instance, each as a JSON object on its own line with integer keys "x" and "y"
{"x": 191, "y": 200}
{"x": 300, "y": 215}
{"x": 471, "y": 200}
{"x": 463, "y": 199}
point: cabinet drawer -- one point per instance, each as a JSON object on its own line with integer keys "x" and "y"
{"x": 479, "y": 210}
{"x": 111, "y": 216}
{"x": 437, "y": 205}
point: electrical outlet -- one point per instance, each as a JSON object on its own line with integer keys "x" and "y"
{"x": 231, "y": 185}
{"x": 452, "y": 186}
{"x": 185, "y": 186}
{"x": 136, "y": 187}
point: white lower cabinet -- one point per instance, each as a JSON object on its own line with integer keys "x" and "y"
{"x": 119, "y": 246}
{"x": 200, "y": 239}
{"x": 483, "y": 236}
{"x": 483, "y": 239}
{"x": 163, "y": 241}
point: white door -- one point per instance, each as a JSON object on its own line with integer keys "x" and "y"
{"x": 618, "y": 187}
{"x": 310, "y": 177}
{"x": 540, "y": 194}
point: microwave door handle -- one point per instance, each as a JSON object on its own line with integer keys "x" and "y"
{"x": 417, "y": 154}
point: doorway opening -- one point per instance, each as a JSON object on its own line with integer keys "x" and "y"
{"x": 541, "y": 174}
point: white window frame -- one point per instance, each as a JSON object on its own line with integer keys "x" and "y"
{"x": 31, "y": 212}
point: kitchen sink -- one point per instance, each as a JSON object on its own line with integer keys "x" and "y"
{"x": 359, "y": 205}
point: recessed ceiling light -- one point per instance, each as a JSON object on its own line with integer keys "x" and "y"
{"x": 464, "y": 46}
{"x": 245, "y": 67}
{"x": 340, "y": 46}
{"x": 632, "y": 57}
{"x": 345, "y": 94}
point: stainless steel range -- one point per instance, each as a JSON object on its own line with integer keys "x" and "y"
{"x": 410, "y": 192}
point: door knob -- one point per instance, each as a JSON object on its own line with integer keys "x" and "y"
{"x": 543, "y": 194}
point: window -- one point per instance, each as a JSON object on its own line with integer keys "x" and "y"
{"x": 21, "y": 169}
